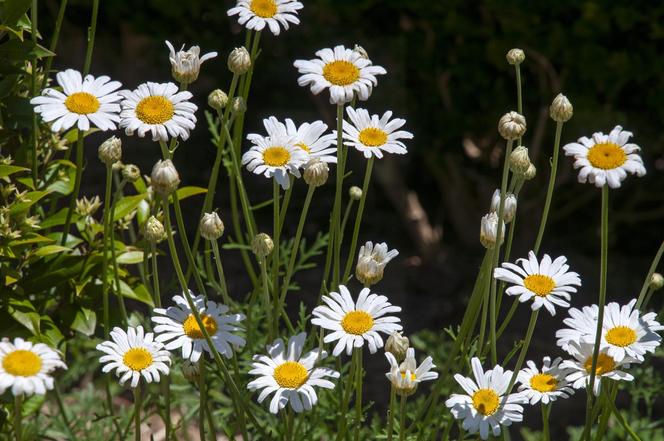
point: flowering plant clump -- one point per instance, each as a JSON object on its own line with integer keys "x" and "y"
{"x": 111, "y": 293}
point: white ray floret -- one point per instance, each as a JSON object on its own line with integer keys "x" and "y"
{"x": 548, "y": 283}
{"x": 546, "y": 384}
{"x": 275, "y": 14}
{"x": 581, "y": 367}
{"x": 374, "y": 135}
{"x": 310, "y": 137}
{"x": 352, "y": 323}
{"x": 177, "y": 328}
{"x": 290, "y": 375}
{"x": 405, "y": 377}
{"x": 26, "y": 368}
{"x": 627, "y": 333}
{"x": 582, "y": 326}
{"x": 371, "y": 262}
{"x": 186, "y": 65}
{"x": 84, "y": 102}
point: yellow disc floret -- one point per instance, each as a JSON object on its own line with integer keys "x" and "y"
{"x": 621, "y": 336}
{"x": 137, "y": 359}
{"x": 82, "y": 103}
{"x": 191, "y": 328}
{"x": 373, "y": 137}
{"x": 357, "y": 322}
{"x": 290, "y": 374}
{"x": 22, "y": 363}
{"x": 543, "y": 382}
{"x": 303, "y": 146}
{"x": 341, "y": 73}
{"x": 606, "y": 156}
{"x": 155, "y": 110}
{"x": 276, "y": 156}
{"x": 604, "y": 364}
{"x": 264, "y": 8}
{"x": 486, "y": 401}
{"x": 539, "y": 284}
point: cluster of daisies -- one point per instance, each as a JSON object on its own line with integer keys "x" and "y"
{"x": 627, "y": 336}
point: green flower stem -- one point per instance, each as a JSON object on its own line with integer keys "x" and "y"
{"x": 552, "y": 184}
{"x": 276, "y": 236}
{"x": 609, "y": 391}
{"x": 345, "y": 397}
{"x": 62, "y": 410}
{"x": 647, "y": 299}
{"x": 33, "y": 93}
{"x": 77, "y": 185}
{"x": 358, "y": 218}
{"x": 622, "y": 422}
{"x": 646, "y": 283}
{"x": 602, "y": 301}
{"x": 220, "y": 272}
{"x": 114, "y": 260}
{"x": 137, "y": 412}
{"x": 390, "y": 414}
{"x": 336, "y": 210}
{"x": 546, "y": 411}
{"x": 18, "y": 416}
{"x": 508, "y": 318}
{"x": 202, "y": 390}
{"x": 91, "y": 37}
{"x": 284, "y": 205}
{"x": 212, "y": 436}
{"x": 402, "y": 418}
{"x": 104, "y": 264}
{"x": 290, "y": 425}
{"x": 519, "y": 100}
{"x": 349, "y": 207}
{"x": 523, "y": 352}
{"x": 266, "y": 299}
{"x": 358, "y": 394}
{"x": 155, "y": 275}
{"x": 54, "y": 40}
{"x": 296, "y": 242}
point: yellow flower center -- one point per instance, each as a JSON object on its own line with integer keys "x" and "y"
{"x": 485, "y": 401}
{"x": 604, "y": 364}
{"x": 82, "y": 103}
{"x": 373, "y": 137}
{"x": 621, "y": 336}
{"x": 290, "y": 374}
{"x": 191, "y": 328}
{"x": 264, "y": 8}
{"x": 606, "y": 156}
{"x": 137, "y": 359}
{"x": 155, "y": 110}
{"x": 539, "y": 284}
{"x": 303, "y": 146}
{"x": 543, "y": 382}
{"x": 413, "y": 377}
{"x": 276, "y": 156}
{"x": 22, "y": 363}
{"x": 341, "y": 73}
{"x": 357, "y": 322}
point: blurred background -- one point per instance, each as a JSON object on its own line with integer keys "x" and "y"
{"x": 447, "y": 76}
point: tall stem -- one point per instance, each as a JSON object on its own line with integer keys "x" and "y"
{"x": 345, "y": 398}
{"x": 104, "y": 265}
{"x": 266, "y": 298}
{"x": 137, "y": 412}
{"x": 651, "y": 270}
{"x": 402, "y": 418}
{"x": 77, "y": 185}
{"x": 546, "y": 410}
{"x": 390, "y": 414}
{"x": 220, "y": 272}
{"x": 523, "y": 352}
{"x": 336, "y": 209}
{"x": 602, "y": 300}
{"x": 18, "y": 416}
{"x": 91, "y": 36}
{"x": 358, "y": 394}
{"x": 549, "y": 192}
{"x": 33, "y": 93}
{"x": 202, "y": 390}
{"x": 54, "y": 40}
{"x": 519, "y": 100}
{"x": 275, "y": 253}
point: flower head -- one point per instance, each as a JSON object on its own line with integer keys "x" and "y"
{"x": 606, "y": 159}
{"x": 581, "y": 367}
{"x": 256, "y": 14}
{"x": 345, "y": 72}
{"x": 371, "y": 262}
{"x": 489, "y": 230}
{"x": 186, "y": 65}
{"x": 546, "y": 384}
{"x": 177, "y": 327}
{"x": 352, "y": 323}
{"x": 373, "y": 134}
{"x": 133, "y": 354}
{"x": 405, "y": 377}
{"x": 582, "y": 325}
{"x": 310, "y": 137}
{"x": 627, "y": 333}
{"x": 83, "y": 102}
{"x": 546, "y": 282}
{"x": 26, "y": 368}
{"x": 397, "y": 345}
{"x": 290, "y": 375}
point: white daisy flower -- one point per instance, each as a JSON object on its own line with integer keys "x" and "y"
{"x": 627, "y": 333}
{"x": 582, "y": 327}
{"x": 133, "y": 354}
{"x": 344, "y": 71}
{"x": 371, "y": 262}
{"x": 177, "y": 328}
{"x": 290, "y": 375}
{"x": 26, "y": 367}
{"x": 581, "y": 367}
{"x": 186, "y": 65}
{"x": 255, "y": 14}
{"x": 83, "y": 102}
{"x": 547, "y": 283}
{"x": 353, "y": 322}
{"x": 309, "y": 137}
{"x": 274, "y": 155}
{"x": 485, "y": 407}
{"x": 405, "y": 377}
{"x": 606, "y": 159}
{"x": 546, "y": 384}
{"x": 373, "y": 135}
{"x": 159, "y": 109}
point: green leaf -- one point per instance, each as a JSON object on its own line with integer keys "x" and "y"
{"x": 30, "y": 199}
{"x": 50, "y": 249}
{"x": 55, "y": 220}
{"x": 85, "y": 321}
{"x": 140, "y": 293}
{"x": 29, "y": 239}
{"x": 17, "y": 49}
{"x": 25, "y": 313}
{"x": 185, "y": 192}
{"x": 6, "y": 170}
{"x": 13, "y": 10}
{"x": 130, "y": 257}
{"x": 126, "y": 205}
{"x": 32, "y": 404}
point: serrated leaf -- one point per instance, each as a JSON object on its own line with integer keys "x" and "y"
{"x": 130, "y": 257}
{"x": 126, "y": 205}
{"x": 85, "y": 321}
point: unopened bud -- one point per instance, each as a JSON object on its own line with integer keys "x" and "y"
{"x": 561, "y": 109}
{"x": 164, "y": 178}
{"x": 239, "y": 105}
{"x": 397, "y": 345}
{"x": 509, "y": 206}
{"x": 212, "y": 228}
{"x": 511, "y": 126}
{"x": 262, "y": 245}
{"x": 131, "y": 172}
{"x": 355, "y": 193}
{"x": 515, "y": 56}
{"x": 489, "y": 230}
{"x": 110, "y": 151}
{"x": 190, "y": 371}
{"x": 656, "y": 281}
{"x": 239, "y": 61}
{"x": 154, "y": 230}
{"x": 316, "y": 172}
{"x": 217, "y": 99}
{"x": 519, "y": 160}
{"x": 530, "y": 173}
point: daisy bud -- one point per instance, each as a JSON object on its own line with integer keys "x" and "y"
{"x": 530, "y": 173}
{"x": 515, "y": 56}
{"x": 511, "y": 126}
{"x": 239, "y": 61}
{"x": 239, "y": 105}
{"x": 397, "y": 345}
{"x": 355, "y": 193}
{"x": 212, "y": 228}
{"x": 190, "y": 371}
{"x": 165, "y": 178}
{"x": 519, "y": 160}
{"x": 117, "y": 166}
{"x": 509, "y": 207}
{"x": 316, "y": 172}
{"x": 561, "y": 109}
{"x": 131, "y": 173}
{"x": 488, "y": 230}
{"x": 371, "y": 262}
{"x": 217, "y": 99}
{"x": 110, "y": 151}
{"x": 262, "y": 245}
{"x": 154, "y": 230}
{"x": 186, "y": 65}
{"x": 656, "y": 281}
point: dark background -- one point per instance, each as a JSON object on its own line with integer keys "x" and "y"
{"x": 448, "y": 77}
